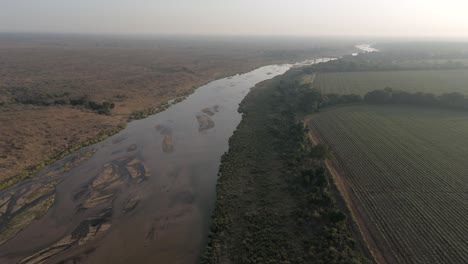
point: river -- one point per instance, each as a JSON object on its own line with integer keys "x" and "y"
{"x": 365, "y": 48}
{"x": 144, "y": 195}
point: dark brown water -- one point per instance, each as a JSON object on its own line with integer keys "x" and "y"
{"x": 145, "y": 195}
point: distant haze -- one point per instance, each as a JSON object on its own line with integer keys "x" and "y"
{"x": 432, "y": 18}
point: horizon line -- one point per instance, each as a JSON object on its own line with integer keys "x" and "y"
{"x": 178, "y": 34}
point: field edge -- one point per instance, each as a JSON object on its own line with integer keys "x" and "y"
{"x": 357, "y": 222}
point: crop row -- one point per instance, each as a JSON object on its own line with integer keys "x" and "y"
{"x": 409, "y": 174}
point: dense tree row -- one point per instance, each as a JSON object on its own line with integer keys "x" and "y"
{"x": 385, "y": 61}
{"x": 64, "y": 99}
{"x": 307, "y": 100}
{"x": 390, "y": 96}
{"x": 309, "y": 180}
{"x": 274, "y": 201}
{"x": 304, "y": 99}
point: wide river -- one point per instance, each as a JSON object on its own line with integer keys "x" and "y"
{"x": 144, "y": 195}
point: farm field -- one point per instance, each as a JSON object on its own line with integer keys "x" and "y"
{"x": 428, "y": 81}
{"x": 405, "y": 170}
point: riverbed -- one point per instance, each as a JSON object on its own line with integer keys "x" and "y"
{"x": 144, "y": 195}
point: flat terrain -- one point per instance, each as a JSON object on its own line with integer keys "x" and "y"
{"x": 426, "y": 81}
{"x": 406, "y": 169}
{"x": 133, "y": 74}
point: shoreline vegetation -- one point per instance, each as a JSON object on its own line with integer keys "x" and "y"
{"x": 104, "y": 108}
{"x": 149, "y": 111}
{"x": 47, "y": 105}
{"x": 30, "y": 171}
{"x": 142, "y": 114}
{"x": 275, "y": 200}
{"x": 85, "y": 104}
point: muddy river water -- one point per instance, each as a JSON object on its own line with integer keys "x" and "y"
{"x": 144, "y": 195}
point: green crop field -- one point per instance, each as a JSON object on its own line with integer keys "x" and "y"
{"x": 428, "y": 81}
{"x": 407, "y": 169}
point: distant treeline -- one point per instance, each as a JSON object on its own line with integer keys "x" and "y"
{"x": 384, "y": 61}
{"x": 427, "y": 49}
{"x": 306, "y": 100}
{"x": 64, "y": 99}
{"x": 312, "y": 100}
{"x": 390, "y": 96}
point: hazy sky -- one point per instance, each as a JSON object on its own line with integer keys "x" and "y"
{"x": 448, "y": 18}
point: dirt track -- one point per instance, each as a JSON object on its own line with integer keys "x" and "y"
{"x": 361, "y": 224}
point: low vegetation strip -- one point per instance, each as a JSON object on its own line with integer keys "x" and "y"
{"x": 425, "y": 81}
{"x": 64, "y": 99}
{"x": 406, "y": 167}
{"x": 274, "y": 202}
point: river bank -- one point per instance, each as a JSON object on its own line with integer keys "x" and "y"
{"x": 118, "y": 123}
{"x": 40, "y": 78}
{"x": 167, "y": 161}
{"x": 103, "y": 200}
{"x": 274, "y": 202}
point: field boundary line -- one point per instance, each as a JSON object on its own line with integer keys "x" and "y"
{"x": 357, "y": 222}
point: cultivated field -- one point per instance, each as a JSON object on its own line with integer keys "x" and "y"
{"x": 428, "y": 81}
{"x": 405, "y": 171}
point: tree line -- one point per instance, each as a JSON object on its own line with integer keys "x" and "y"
{"x": 307, "y": 100}
{"x": 303, "y": 99}
{"x": 103, "y": 108}
{"x": 388, "y": 95}
{"x": 384, "y": 61}
{"x": 314, "y": 229}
